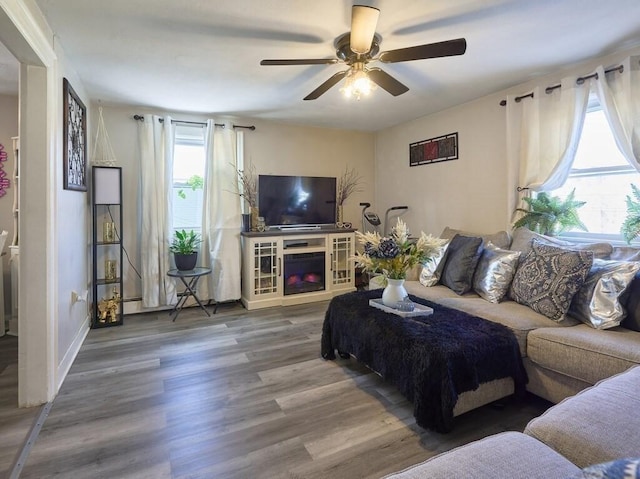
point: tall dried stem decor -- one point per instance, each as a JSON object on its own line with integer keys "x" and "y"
{"x": 348, "y": 183}
{"x": 248, "y": 185}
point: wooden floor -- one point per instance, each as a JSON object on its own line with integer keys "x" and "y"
{"x": 15, "y": 423}
{"x": 238, "y": 395}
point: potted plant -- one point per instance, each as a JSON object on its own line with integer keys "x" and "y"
{"x": 631, "y": 227}
{"x": 184, "y": 249}
{"x": 551, "y": 215}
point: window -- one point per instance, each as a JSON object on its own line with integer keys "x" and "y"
{"x": 188, "y": 177}
{"x": 602, "y": 177}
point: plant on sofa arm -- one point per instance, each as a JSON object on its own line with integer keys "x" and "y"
{"x": 551, "y": 215}
{"x": 631, "y": 227}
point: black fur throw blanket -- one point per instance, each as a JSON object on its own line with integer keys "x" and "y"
{"x": 430, "y": 359}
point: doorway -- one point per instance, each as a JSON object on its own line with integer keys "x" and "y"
{"x": 21, "y": 35}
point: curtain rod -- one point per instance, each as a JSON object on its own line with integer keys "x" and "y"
{"x": 579, "y": 81}
{"x": 199, "y": 123}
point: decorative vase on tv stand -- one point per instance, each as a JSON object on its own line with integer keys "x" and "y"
{"x": 394, "y": 292}
{"x": 339, "y": 216}
{"x": 254, "y": 218}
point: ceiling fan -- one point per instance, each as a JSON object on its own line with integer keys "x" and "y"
{"x": 361, "y": 46}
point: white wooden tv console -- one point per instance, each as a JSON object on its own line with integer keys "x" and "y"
{"x": 285, "y": 267}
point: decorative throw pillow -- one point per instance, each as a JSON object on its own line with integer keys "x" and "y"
{"x": 495, "y": 272}
{"x": 598, "y": 302}
{"x": 618, "y": 469}
{"x": 460, "y": 262}
{"x": 432, "y": 270}
{"x": 632, "y": 305}
{"x": 549, "y": 277}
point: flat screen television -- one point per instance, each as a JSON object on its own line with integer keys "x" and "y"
{"x": 297, "y": 200}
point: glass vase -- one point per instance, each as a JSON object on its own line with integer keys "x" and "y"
{"x": 339, "y": 216}
{"x": 254, "y": 218}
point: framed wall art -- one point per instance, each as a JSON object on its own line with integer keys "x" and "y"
{"x": 75, "y": 139}
{"x": 434, "y": 150}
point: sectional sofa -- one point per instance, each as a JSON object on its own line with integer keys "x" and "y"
{"x": 572, "y": 440}
{"x": 562, "y": 357}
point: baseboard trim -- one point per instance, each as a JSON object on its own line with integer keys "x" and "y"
{"x": 135, "y": 306}
{"x": 70, "y": 355}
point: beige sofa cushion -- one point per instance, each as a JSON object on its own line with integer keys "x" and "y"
{"x": 584, "y": 353}
{"x": 507, "y": 455}
{"x": 436, "y": 293}
{"x": 522, "y": 239}
{"x": 519, "y": 318}
{"x": 501, "y": 239}
{"x": 596, "y": 425}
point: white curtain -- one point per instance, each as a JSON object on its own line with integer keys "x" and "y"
{"x": 221, "y": 216}
{"x": 619, "y": 95}
{"x": 156, "y": 178}
{"x": 542, "y": 137}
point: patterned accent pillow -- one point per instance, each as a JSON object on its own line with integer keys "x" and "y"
{"x": 460, "y": 263}
{"x": 432, "y": 270}
{"x": 549, "y": 277}
{"x": 495, "y": 272}
{"x": 618, "y": 469}
{"x": 598, "y": 302}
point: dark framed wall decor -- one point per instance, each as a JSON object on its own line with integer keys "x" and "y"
{"x": 434, "y": 150}
{"x": 75, "y": 139}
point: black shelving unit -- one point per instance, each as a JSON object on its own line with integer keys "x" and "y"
{"x": 107, "y": 286}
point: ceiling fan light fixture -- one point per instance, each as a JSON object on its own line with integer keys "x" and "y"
{"x": 357, "y": 83}
{"x": 363, "y": 27}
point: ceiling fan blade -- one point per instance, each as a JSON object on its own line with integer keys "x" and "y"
{"x": 364, "y": 21}
{"x": 386, "y": 81}
{"x": 326, "y": 85}
{"x": 430, "y": 50}
{"x": 312, "y": 61}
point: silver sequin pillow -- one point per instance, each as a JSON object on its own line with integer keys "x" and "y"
{"x": 549, "y": 277}
{"x": 495, "y": 272}
{"x": 431, "y": 270}
{"x": 597, "y": 303}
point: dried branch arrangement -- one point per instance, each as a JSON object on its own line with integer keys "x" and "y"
{"x": 248, "y": 180}
{"x": 348, "y": 183}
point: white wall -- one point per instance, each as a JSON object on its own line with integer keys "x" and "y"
{"x": 8, "y": 129}
{"x": 273, "y": 148}
{"x": 452, "y": 192}
{"x": 53, "y": 222}
{"x": 72, "y": 226}
{"x": 469, "y": 193}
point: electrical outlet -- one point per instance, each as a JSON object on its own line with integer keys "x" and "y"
{"x": 79, "y": 298}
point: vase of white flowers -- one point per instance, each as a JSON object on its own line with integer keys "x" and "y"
{"x": 394, "y": 255}
{"x": 394, "y": 292}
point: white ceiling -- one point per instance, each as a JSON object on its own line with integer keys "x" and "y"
{"x": 203, "y": 56}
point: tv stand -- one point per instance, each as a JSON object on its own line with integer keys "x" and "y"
{"x": 298, "y": 228}
{"x": 292, "y": 266}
